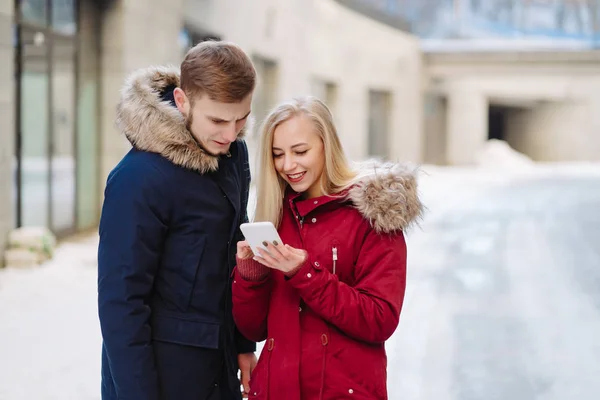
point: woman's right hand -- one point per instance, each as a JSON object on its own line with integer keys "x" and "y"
{"x": 243, "y": 250}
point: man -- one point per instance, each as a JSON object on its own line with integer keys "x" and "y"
{"x": 169, "y": 228}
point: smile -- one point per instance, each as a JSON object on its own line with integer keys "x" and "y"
{"x": 296, "y": 177}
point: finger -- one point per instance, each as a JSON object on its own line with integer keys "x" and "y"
{"x": 263, "y": 261}
{"x": 243, "y": 248}
{"x": 268, "y": 258}
{"x": 279, "y": 246}
{"x": 273, "y": 250}
{"x": 294, "y": 250}
{"x": 300, "y": 254}
{"x": 284, "y": 250}
{"x": 246, "y": 382}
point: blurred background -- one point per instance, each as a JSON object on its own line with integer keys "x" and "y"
{"x": 498, "y": 100}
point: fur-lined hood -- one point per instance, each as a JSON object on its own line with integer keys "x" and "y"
{"x": 386, "y": 195}
{"x": 155, "y": 125}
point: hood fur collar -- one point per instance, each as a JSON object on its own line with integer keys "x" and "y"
{"x": 154, "y": 125}
{"x": 386, "y": 195}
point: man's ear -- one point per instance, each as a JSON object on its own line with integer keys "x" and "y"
{"x": 182, "y": 101}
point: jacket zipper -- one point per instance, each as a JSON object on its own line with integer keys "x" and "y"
{"x": 335, "y": 257}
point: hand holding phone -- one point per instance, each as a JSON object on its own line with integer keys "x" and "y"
{"x": 258, "y": 232}
{"x": 243, "y": 250}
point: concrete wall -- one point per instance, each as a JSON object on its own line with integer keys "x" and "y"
{"x": 134, "y": 34}
{"x": 467, "y": 124}
{"x": 7, "y": 121}
{"x": 552, "y": 132}
{"x": 322, "y": 41}
{"x": 562, "y": 90}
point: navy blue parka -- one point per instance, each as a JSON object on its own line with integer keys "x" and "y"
{"x": 168, "y": 232}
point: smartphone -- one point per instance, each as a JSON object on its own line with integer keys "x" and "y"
{"x": 258, "y": 232}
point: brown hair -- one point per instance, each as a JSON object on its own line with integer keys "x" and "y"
{"x": 221, "y": 70}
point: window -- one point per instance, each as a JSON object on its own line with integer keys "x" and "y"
{"x": 379, "y": 123}
{"x": 34, "y": 11}
{"x": 327, "y": 92}
{"x": 63, "y": 16}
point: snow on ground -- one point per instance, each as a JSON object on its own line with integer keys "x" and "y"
{"x": 49, "y": 332}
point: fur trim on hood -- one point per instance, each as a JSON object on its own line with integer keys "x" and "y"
{"x": 155, "y": 125}
{"x": 386, "y": 194}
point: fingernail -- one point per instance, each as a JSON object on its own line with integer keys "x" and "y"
{"x": 265, "y": 243}
{"x": 275, "y": 242}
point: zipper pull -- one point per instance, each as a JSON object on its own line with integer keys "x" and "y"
{"x": 334, "y": 253}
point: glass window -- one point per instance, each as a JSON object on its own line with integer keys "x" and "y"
{"x": 379, "y": 115}
{"x": 63, "y": 135}
{"x": 34, "y": 11}
{"x": 34, "y": 130}
{"x": 63, "y": 16}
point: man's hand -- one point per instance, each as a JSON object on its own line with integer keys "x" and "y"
{"x": 246, "y": 362}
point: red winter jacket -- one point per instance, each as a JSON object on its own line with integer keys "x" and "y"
{"x": 325, "y": 327}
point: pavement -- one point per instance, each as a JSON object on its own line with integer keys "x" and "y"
{"x": 502, "y": 302}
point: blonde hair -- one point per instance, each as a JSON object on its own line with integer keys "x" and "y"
{"x": 337, "y": 173}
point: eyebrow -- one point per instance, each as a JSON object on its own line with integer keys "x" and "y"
{"x": 294, "y": 146}
{"x": 224, "y": 120}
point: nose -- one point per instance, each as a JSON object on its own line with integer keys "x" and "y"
{"x": 289, "y": 164}
{"x": 230, "y": 133}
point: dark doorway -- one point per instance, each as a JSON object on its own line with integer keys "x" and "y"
{"x": 497, "y": 122}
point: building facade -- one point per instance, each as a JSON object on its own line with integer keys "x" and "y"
{"x": 66, "y": 62}
{"x": 70, "y": 58}
{"x": 544, "y": 104}
{"x": 368, "y": 70}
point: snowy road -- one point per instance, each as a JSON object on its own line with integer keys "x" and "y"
{"x": 503, "y": 299}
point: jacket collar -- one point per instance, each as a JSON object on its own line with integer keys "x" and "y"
{"x": 384, "y": 193}
{"x": 153, "y": 124}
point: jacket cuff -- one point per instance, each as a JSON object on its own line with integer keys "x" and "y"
{"x": 251, "y": 270}
{"x": 302, "y": 270}
{"x": 244, "y": 345}
{"x": 293, "y": 272}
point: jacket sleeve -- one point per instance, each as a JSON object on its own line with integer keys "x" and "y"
{"x": 132, "y": 230}
{"x": 251, "y": 300}
{"x": 370, "y": 310}
{"x": 243, "y": 344}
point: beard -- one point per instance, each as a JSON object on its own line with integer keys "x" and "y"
{"x": 189, "y": 120}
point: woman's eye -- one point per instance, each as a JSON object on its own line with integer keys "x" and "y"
{"x": 277, "y": 155}
{"x": 301, "y": 152}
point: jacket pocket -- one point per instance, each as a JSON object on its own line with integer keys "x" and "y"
{"x": 260, "y": 378}
{"x": 173, "y": 329}
{"x": 190, "y": 267}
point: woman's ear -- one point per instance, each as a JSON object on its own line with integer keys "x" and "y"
{"x": 181, "y": 101}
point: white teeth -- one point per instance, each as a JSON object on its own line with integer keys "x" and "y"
{"x": 296, "y": 176}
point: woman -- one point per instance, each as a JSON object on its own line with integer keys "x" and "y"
{"x": 328, "y": 297}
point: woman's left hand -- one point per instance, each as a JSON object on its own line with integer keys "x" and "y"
{"x": 282, "y": 257}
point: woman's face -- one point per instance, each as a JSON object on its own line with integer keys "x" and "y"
{"x": 298, "y": 155}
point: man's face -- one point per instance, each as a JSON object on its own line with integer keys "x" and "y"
{"x": 213, "y": 124}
